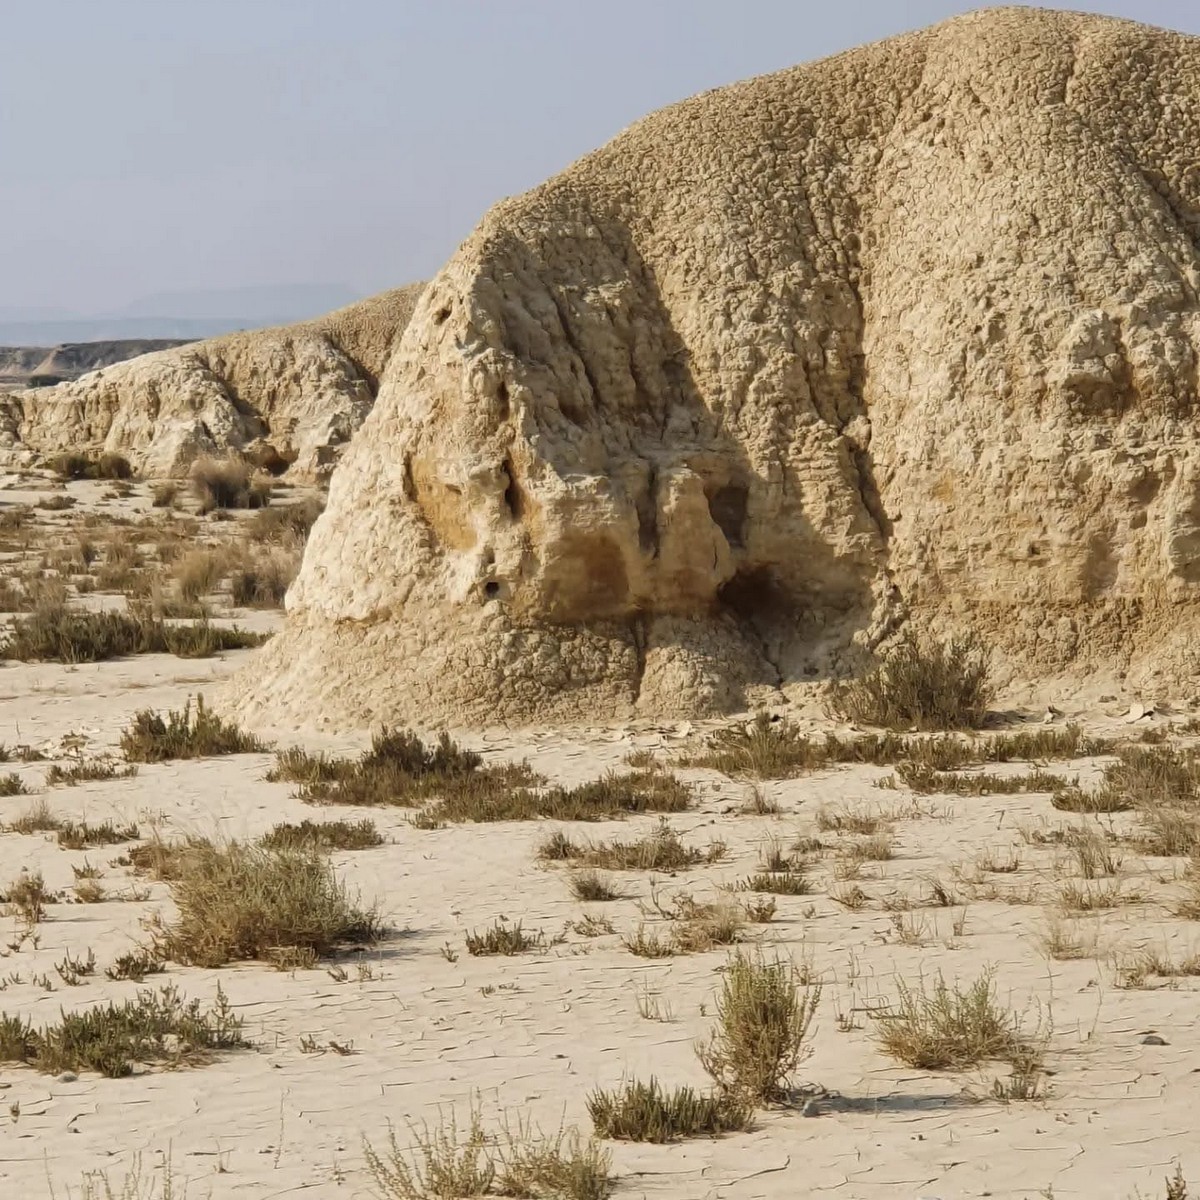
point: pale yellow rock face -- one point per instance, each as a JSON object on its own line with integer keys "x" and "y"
{"x": 908, "y": 334}
{"x": 304, "y": 389}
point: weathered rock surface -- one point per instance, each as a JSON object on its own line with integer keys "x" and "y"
{"x": 910, "y": 333}
{"x": 21, "y": 364}
{"x": 303, "y": 389}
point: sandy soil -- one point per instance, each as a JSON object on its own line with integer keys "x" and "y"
{"x": 534, "y": 1034}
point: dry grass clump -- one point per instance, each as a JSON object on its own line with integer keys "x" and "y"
{"x": 1065, "y": 941}
{"x": 949, "y": 1028}
{"x": 76, "y": 465}
{"x": 92, "y": 770}
{"x": 162, "y": 861}
{"x": 80, "y": 835}
{"x": 764, "y": 1016}
{"x": 238, "y": 902}
{"x": 502, "y": 938}
{"x": 661, "y": 850}
{"x": 197, "y": 573}
{"x": 591, "y": 885}
{"x": 165, "y": 494}
{"x": 135, "y": 965}
{"x": 1189, "y": 906}
{"x": 27, "y": 897}
{"x": 37, "y": 818}
{"x": 1144, "y": 777}
{"x": 778, "y": 883}
{"x": 285, "y": 522}
{"x": 11, "y": 784}
{"x": 228, "y": 483}
{"x": 924, "y": 781}
{"x": 55, "y": 632}
{"x": 323, "y": 835}
{"x": 400, "y": 769}
{"x": 697, "y": 926}
{"x": 156, "y": 1027}
{"x": 645, "y": 1112}
{"x": 264, "y": 581}
{"x": 193, "y": 733}
{"x": 923, "y": 684}
{"x": 446, "y": 1163}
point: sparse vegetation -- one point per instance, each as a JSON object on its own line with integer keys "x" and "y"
{"x": 238, "y": 902}
{"x": 75, "y": 465}
{"x": 644, "y": 1112}
{"x": 27, "y": 897}
{"x": 156, "y": 1027}
{"x": 591, "y": 885}
{"x": 87, "y": 771}
{"x": 502, "y": 938}
{"x": 73, "y": 835}
{"x": 923, "y": 684}
{"x": 11, "y": 784}
{"x": 323, "y": 835}
{"x": 447, "y": 1162}
{"x": 228, "y": 483}
{"x": 194, "y": 732}
{"x": 764, "y": 1016}
{"x": 948, "y": 1028}
{"x": 54, "y": 632}
{"x": 661, "y": 850}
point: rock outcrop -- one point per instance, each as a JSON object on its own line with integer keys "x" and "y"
{"x": 908, "y": 334}
{"x": 22, "y": 366}
{"x": 295, "y": 393}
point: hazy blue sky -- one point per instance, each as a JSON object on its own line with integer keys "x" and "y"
{"x": 155, "y": 144}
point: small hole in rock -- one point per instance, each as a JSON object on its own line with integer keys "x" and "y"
{"x": 491, "y": 589}
{"x": 440, "y": 316}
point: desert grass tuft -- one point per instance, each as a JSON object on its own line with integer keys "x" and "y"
{"x": 237, "y": 902}
{"x": 155, "y": 1027}
{"x": 194, "y": 732}
{"x": 228, "y": 483}
{"x": 323, "y": 835}
{"x": 923, "y": 684}
{"x": 77, "y": 465}
{"x": 504, "y": 939}
{"x": 79, "y": 835}
{"x": 661, "y": 850}
{"x": 764, "y": 1016}
{"x": 949, "y": 1027}
{"x": 446, "y": 1162}
{"x": 645, "y": 1112}
{"x": 93, "y": 770}
{"x": 591, "y": 885}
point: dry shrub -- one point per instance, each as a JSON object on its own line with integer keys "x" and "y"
{"x": 27, "y": 897}
{"x": 11, "y": 784}
{"x": 77, "y": 465}
{"x": 285, "y": 522}
{"x": 165, "y": 493}
{"x": 197, "y": 573}
{"x": 925, "y": 781}
{"x": 789, "y": 883}
{"x": 191, "y": 733}
{"x": 91, "y": 770}
{"x": 323, "y": 835}
{"x": 949, "y": 1028}
{"x": 156, "y": 1027}
{"x": 661, "y": 850}
{"x": 504, "y": 939}
{"x": 80, "y": 835}
{"x": 591, "y": 885}
{"x": 263, "y": 581}
{"x": 223, "y": 483}
{"x": 763, "y": 1020}
{"x": 238, "y": 902}
{"x": 446, "y": 1163}
{"x": 644, "y": 1112}
{"x": 1144, "y": 777}
{"x": 923, "y": 684}
{"x": 57, "y": 633}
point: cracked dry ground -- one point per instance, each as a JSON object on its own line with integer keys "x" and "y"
{"x": 392, "y": 1032}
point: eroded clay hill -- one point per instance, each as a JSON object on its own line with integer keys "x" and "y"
{"x": 300, "y": 390}
{"x": 909, "y": 334}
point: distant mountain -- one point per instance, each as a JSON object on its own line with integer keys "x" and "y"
{"x": 180, "y": 315}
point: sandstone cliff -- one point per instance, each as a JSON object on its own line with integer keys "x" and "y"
{"x": 907, "y": 334}
{"x": 302, "y": 389}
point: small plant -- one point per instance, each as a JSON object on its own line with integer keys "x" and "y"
{"x": 228, "y": 483}
{"x": 1064, "y": 941}
{"x": 193, "y": 733}
{"x": 36, "y": 819}
{"x": 763, "y": 1022}
{"x": 72, "y": 971}
{"x": 323, "y": 835}
{"x": 28, "y": 896}
{"x": 238, "y": 902}
{"x": 789, "y": 884}
{"x": 11, "y": 784}
{"x": 591, "y": 885}
{"x": 135, "y": 965}
{"x": 87, "y": 771}
{"x": 660, "y": 851}
{"x": 75, "y": 465}
{"x": 949, "y": 1027}
{"x": 73, "y": 836}
{"x": 153, "y": 1028}
{"x": 644, "y": 1112}
{"x": 648, "y": 943}
{"x": 447, "y": 1162}
{"x": 505, "y": 939}
{"x": 922, "y": 684}
{"x": 164, "y": 494}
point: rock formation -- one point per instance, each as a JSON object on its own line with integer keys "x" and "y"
{"x": 22, "y": 366}
{"x": 297, "y": 392}
{"x": 907, "y": 334}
